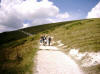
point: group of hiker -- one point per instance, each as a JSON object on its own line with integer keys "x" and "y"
{"x": 45, "y": 40}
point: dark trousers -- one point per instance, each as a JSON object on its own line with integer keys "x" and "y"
{"x": 49, "y": 43}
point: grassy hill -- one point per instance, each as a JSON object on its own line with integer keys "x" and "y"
{"x": 17, "y": 49}
{"x": 81, "y": 34}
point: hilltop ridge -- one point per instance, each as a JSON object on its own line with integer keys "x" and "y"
{"x": 17, "y": 49}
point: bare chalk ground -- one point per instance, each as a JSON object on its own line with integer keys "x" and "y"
{"x": 50, "y": 61}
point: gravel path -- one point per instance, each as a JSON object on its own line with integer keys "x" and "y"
{"x": 50, "y": 61}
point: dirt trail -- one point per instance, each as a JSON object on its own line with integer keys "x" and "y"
{"x": 27, "y": 33}
{"x": 52, "y": 61}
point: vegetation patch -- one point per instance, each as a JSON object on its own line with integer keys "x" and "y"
{"x": 17, "y": 50}
{"x": 81, "y": 34}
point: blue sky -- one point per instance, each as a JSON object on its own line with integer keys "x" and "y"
{"x": 75, "y": 5}
{"x": 81, "y": 7}
{"x": 26, "y": 13}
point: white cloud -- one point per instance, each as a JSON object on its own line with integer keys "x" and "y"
{"x": 25, "y": 25}
{"x": 13, "y": 13}
{"x": 63, "y": 16}
{"x": 95, "y": 12}
{"x": 41, "y": 21}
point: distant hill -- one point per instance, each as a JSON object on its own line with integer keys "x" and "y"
{"x": 17, "y": 49}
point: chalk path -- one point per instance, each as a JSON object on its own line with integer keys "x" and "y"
{"x": 52, "y": 61}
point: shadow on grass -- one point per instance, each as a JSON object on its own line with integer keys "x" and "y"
{"x": 92, "y": 70}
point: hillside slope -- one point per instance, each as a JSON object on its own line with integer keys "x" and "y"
{"x": 83, "y": 35}
{"x": 18, "y": 49}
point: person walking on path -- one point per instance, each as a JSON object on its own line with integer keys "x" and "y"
{"x": 41, "y": 39}
{"x": 45, "y": 40}
{"x": 49, "y": 40}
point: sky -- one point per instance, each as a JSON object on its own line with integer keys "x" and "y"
{"x": 16, "y": 14}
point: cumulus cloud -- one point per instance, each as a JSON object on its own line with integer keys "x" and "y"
{"x": 63, "y": 15}
{"x": 95, "y": 12}
{"x": 13, "y": 13}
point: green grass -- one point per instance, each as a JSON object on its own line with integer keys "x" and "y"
{"x": 18, "y": 59}
{"x": 92, "y": 70}
{"x": 17, "y": 50}
{"x": 82, "y": 34}
{"x": 7, "y": 39}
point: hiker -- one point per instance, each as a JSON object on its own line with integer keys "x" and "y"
{"x": 42, "y": 39}
{"x": 45, "y": 40}
{"x": 49, "y": 40}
